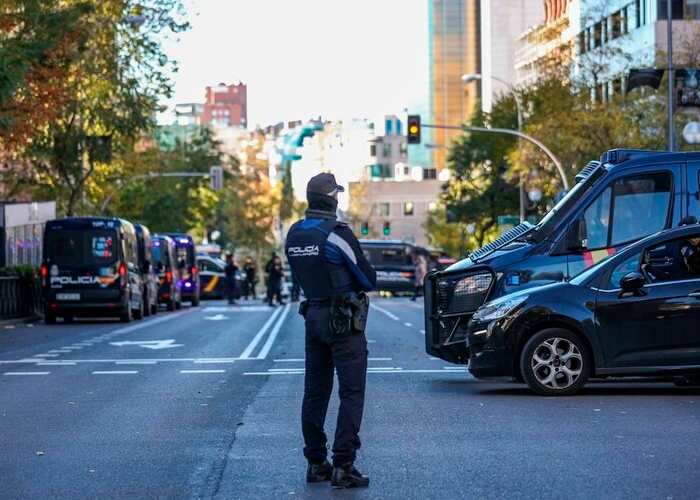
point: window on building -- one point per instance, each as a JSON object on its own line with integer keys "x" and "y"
{"x": 388, "y": 126}
{"x": 430, "y": 173}
{"x": 692, "y": 9}
{"x": 432, "y": 206}
{"x": 615, "y": 25}
{"x": 381, "y": 171}
{"x": 403, "y": 149}
{"x": 383, "y": 209}
{"x": 387, "y": 150}
{"x": 676, "y": 9}
{"x": 373, "y": 150}
{"x": 408, "y": 208}
{"x": 597, "y": 35}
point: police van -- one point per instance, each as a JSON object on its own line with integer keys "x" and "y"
{"x": 625, "y": 196}
{"x": 187, "y": 265}
{"x": 90, "y": 268}
{"x": 148, "y": 274}
{"x": 166, "y": 267}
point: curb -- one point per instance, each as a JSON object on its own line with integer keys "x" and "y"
{"x": 18, "y": 321}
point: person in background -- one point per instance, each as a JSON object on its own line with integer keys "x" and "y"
{"x": 420, "y": 265}
{"x": 296, "y": 287}
{"x": 690, "y": 249}
{"x": 274, "y": 281}
{"x": 269, "y": 266}
{"x": 251, "y": 277}
{"x": 230, "y": 271}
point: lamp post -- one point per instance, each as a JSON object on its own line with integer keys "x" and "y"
{"x": 474, "y": 77}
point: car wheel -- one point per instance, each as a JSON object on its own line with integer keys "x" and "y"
{"x": 178, "y": 304}
{"x": 138, "y": 312}
{"x": 68, "y": 319}
{"x": 170, "y": 306}
{"x": 125, "y": 316}
{"x": 195, "y": 301}
{"x": 154, "y": 308}
{"x": 146, "y": 305}
{"x": 50, "y": 319}
{"x": 555, "y": 362}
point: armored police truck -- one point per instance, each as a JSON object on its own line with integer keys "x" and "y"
{"x": 625, "y": 196}
{"x": 90, "y": 268}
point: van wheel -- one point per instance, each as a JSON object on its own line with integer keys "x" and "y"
{"x": 178, "y": 304}
{"x": 154, "y": 308}
{"x": 555, "y": 362}
{"x": 138, "y": 312}
{"x": 146, "y": 305}
{"x": 195, "y": 301}
{"x": 68, "y": 319}
{"x": 50, "y": 319}
{"x": 170, "y": 306}
{"x": 125, "y": 316}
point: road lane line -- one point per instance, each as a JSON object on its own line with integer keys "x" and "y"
{"x": 213, "y": 361}
{"x": 115, "y": 372}
{"x": 302, "y": 360}
{"x": 259, "y": 335}
{"x": 271, "y": 339}
{"x": 46, "y": 355}
{"x": 408, "y": 324}
{"x": 384, "y": 311}
{"x": 26, "y": 373}
{"x": 202, "y": 371}
{"x": 56, "y": 363}
{"x": 147, "y": 324}
{"x": 136, "y": 363}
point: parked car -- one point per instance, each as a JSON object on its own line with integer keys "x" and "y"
{"x": 633, "y": 314}
{"x": 90, "y": 267}
{"x": 627, "y": 195}
{"x": 212, "y": 278}
{"x": 149, "y": 277}
{"x": 164, "y": 255}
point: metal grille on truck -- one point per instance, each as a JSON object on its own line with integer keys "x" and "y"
{"x": 456, "y": 300}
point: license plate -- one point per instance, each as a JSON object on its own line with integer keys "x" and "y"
{"x": 67, "y": 296}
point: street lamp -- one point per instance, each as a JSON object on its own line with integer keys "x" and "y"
{"x": 469, "y": 78}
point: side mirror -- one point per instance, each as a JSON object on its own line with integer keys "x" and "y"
{"x": 576, "y": 236}
{"x": 632, "y": 281}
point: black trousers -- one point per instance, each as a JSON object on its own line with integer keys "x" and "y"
{"x": 347, "y": 353}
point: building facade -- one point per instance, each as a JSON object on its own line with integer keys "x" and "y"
{"x": 454, "y": 50}
{"x": 226, "y": 106}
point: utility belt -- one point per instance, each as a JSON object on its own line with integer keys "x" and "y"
{"x": 347, "y": 312}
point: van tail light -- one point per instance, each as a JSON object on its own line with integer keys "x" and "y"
{"x": 193, "y": 270}
{"x": 122, "y": 269}
{"x": 122, "y": 275}
{"x": 44, "y": 272}
{"x": 168, "y": 276}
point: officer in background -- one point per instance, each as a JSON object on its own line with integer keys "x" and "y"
{"x": 333, "y": 272}
{"x": 690, "y": 249}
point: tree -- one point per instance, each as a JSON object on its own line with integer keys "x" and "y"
{"x": 114, "y": 85}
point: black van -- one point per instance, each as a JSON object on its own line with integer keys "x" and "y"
{"x": 165, "y": 263}
{"x": 187, "y": 264}
{"x": 90, "y": 268}
{"x": 393, "y": 263}
{"x": 148, "y": 274}
{"x": 625, "y": 196}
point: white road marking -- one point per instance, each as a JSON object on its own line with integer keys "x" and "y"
{"x": 56, "y": 363}
{"x": 26, "y": 373}
{"x": 302, "y": 359}
{"x": 384, "y": 311}
{"x": 213, "y": 361}
{"x": 408, "y": 324}
{"x": 46, "y": 355}
{"x": 158, "y": 360}
{"x": 259, "y": 335}
{"x": 286, "y": 369}
{"x": 423, "y": 332}
{"x": 369, "y": 370}
{"x": 115, "y": 372}
{"x": 218, "y": 317}
{"x": 136, "y": 363}
{"x": 148, "y": 324}
{"x": 271, "y": 339}
{"x": 234, "y": 309}
{"x": 202, "y": 371}
{"x": 149, "y": 344}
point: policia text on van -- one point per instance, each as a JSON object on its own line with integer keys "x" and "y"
{"x": 629, "y": 194}
{"x": 90, "y": 268}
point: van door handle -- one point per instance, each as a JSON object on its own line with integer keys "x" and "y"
{"x": 695, "y": 295}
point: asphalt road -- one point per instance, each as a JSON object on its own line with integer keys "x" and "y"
{"x": 204, "y": 403}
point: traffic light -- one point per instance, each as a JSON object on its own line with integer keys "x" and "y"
{"x": 365, "y": 228}
{"x": 413, "y": 129}
{"x": 216, "y": 178}
{"x": 387, "y": 228}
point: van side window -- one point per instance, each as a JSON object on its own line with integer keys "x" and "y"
{"x": 629, "y": 209}
{"x": 598, "y": 221}
{"x": 640, "y": 206}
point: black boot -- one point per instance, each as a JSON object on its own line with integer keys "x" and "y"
{"x": 316, "y": 473}
{"x": 348, "y": 476}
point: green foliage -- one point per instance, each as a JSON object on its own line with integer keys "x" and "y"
{"x": 23, "y": 271}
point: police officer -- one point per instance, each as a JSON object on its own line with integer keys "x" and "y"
{"x": 690, "y": 249}
{"x": 333, "y": 272}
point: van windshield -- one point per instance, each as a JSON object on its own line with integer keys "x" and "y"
{"x": 159, "y": 251}
{"x": 81, "y": 247}
{"x": 387, "y": 255}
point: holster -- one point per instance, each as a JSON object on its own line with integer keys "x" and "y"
{"x": 303, "y": 307}
{"x": 360, "y": 310}
{"x": 349, "y": 312}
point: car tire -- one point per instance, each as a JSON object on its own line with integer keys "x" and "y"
{"x": 68, "y": 319}
{"x": 170, "y": 306}
{"x": 146, "y": 305}
{"x": 555, "y": 362}
{"x": 138, "y": 312}
{"x": 125, "y": 316}
{"x": 178, "y": 304}
{"x": 50, "y": 319}
{"x": 154, "y": 308}
{"x": 195, "y": 301}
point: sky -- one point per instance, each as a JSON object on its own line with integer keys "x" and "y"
{"x": 301, "y": 59}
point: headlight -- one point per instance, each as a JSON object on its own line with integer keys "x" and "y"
{"x": 498, "y": 308}
{"x": 473, "y": 284}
